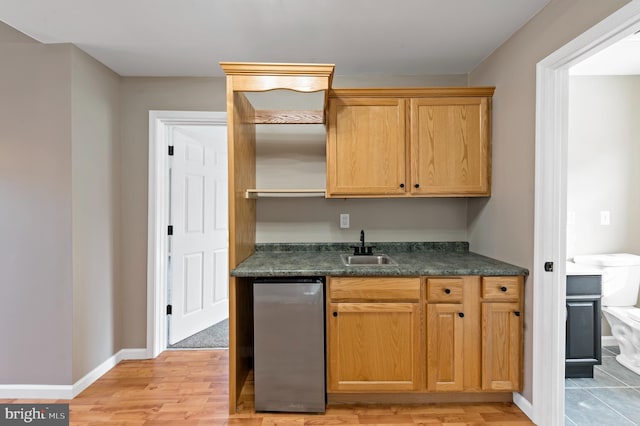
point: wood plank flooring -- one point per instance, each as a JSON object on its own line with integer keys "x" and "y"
{"x": 191, "y": 387}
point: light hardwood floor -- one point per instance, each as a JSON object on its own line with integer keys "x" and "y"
{"x": 190, "y": 388}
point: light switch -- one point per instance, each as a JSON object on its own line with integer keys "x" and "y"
{"x": 605, "y": 217}
{"x": 344, "y": 220}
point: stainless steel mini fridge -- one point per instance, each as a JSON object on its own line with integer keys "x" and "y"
{"x": 289, "y": 344}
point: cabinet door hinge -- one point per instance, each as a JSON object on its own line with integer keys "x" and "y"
{"x": 170, "y": 149}
{"x": 169, "y": 309}
{"x": 548, "y": 266}
{"x": 170, "y": 230}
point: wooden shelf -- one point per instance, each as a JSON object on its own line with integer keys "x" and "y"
{"x": 288, "y": 117}
{"x": 265, "y": 193}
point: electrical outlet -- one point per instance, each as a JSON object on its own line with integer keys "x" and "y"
{"x": 605, "y": 217}
{"x": 344, "y": 220}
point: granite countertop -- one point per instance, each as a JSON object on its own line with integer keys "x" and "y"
{"x": 413, "y": 258}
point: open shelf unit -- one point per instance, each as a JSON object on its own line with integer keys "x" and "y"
{"x": 244, "y": 81}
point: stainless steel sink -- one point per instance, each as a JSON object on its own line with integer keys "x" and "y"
{"x": 367, "y": 260}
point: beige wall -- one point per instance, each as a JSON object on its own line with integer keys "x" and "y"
{"x": 35, "y": 214}
{"x": 502, "y": 226}
{"x": 278, "y": 220}
{"x": 10, "y": 35}
{"x": 138, "y": 97}
{"x": 95, "y": 157}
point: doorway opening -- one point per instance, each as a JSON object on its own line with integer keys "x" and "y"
{"x": 552, "y": 88}
{"x": 162, "y": 134}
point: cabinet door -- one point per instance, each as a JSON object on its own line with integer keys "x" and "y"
{"x": 501, "y": 346}
{"x": 445, "y": 337}
{"x": 374, "y": 347}
{"x": 366, "y": 146}
{"x": 583, "y": 343}
{"x": 450, "y": 151}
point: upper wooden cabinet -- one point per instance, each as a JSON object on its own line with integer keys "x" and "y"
{"x": 450, "y": 146}
{"x": 366, "y": 151}
{"x": 409, "y": 142}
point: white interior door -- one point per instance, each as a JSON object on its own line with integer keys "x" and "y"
{"x": 198, "y": 248}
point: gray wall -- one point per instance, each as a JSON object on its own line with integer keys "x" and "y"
{"x": 502, "y": 226}
{"x": 603, "y": 171}
{"x": 95, "y": 100}
{"x": 35, "y": 214}
{"x": 59, "y": 112}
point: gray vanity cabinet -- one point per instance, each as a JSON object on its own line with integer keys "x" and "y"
{"x": 583, "y": 327}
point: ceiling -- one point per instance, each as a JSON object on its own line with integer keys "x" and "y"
{"x": 190, "y": 37}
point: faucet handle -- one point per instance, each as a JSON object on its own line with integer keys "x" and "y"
{"x": 356, "y": 250}
{"x": 370, "y": 249}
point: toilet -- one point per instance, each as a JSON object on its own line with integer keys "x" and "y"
{"x": 620, "y": 285}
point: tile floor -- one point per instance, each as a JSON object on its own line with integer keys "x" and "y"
{"x": 611, "y": 397}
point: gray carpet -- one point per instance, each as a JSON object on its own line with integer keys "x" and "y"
{"x": 214, "y": 337}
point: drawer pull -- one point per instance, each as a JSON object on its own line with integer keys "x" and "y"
{"x": 461, "y": 314}
{"x": 503, "y": 288}
{"x": 402, "y": 185}
{"x": 335, "y": 314}
{"x": 517, "y": 313}
{"x": 447, "y": 290}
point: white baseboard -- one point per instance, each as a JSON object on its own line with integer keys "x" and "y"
{"x": 523, "y": 404}
{"x": 609, "y": 341}
{"x": 36, "y": 391}
{"x": 69, "y": 391}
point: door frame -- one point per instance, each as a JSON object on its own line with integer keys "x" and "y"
{"x": 551, "y": 141}
{"x": 158, "y": 216}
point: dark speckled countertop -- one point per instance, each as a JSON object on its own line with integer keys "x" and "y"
{"x": 413, "y": 258}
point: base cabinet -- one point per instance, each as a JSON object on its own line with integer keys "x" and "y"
{"x": 445, "y": 360}
{"x": 501, "y": 333}
{"x": 430, "y": 334}
{"x": 447, "y": 333}
{"x": 374, "y": 335}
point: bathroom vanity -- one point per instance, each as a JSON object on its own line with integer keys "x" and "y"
{"x": 583, "y": 323}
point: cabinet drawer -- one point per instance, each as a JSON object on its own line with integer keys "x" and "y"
{"x": 501, "y": 288}
{"x": 448, "y": 290}
{"x": 584, "y": 285}
{"x": 365, "y": 288}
